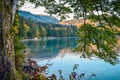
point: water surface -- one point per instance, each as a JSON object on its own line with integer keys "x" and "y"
{"x": 58, "y": 52}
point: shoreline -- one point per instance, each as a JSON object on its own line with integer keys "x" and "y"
{"x": 45, "y": 38}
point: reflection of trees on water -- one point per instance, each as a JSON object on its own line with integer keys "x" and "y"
{"x": 50, "y": 48}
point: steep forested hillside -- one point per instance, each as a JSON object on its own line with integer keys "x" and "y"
{"x": 32, "y": 27}
{"x": 38, "y": 18}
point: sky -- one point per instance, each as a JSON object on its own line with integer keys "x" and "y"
{"x": 30, "y": 7}
{"x": 39, "y": 10}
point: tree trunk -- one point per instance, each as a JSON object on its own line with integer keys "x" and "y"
{"x": 7, "y": 62}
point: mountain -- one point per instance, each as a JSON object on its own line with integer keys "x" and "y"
{"x": 38, "y": 18}
{"x": 72, "y": 22}
{"x": 78, "y": 22}
{"x": 43, "y": 26}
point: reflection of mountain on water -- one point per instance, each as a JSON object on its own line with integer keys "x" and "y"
{"x": 64, "y": 51}
{"x": 49, "y": 48}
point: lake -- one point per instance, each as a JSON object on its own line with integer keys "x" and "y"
{"x": 58, "y": 52}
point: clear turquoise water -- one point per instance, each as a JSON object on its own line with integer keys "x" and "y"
{"x": 58, "y": 52}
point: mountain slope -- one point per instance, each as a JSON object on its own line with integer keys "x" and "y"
{"x": 38, "y": 18}
{"x": 78, "y": 22}
{"x": 43, "y": 26}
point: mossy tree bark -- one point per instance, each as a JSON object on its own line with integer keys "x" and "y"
{"x": 7, "y": 62}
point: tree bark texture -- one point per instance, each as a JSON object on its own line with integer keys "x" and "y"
{"x": 7, "y": 62}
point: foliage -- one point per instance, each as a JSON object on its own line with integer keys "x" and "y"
{"x": 99, "y": 41}
{"x": 41, "y": 29}
{"x": 72, "y": 76}
{"x": 103, "y": 35}
{"x": 18, "y": 47}
{"x": 23, "y": 28}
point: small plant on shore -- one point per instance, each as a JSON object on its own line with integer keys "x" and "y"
{"x": 72, "y": 76}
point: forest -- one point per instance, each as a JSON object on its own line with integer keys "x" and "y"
{"x": 31, "y": 29}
